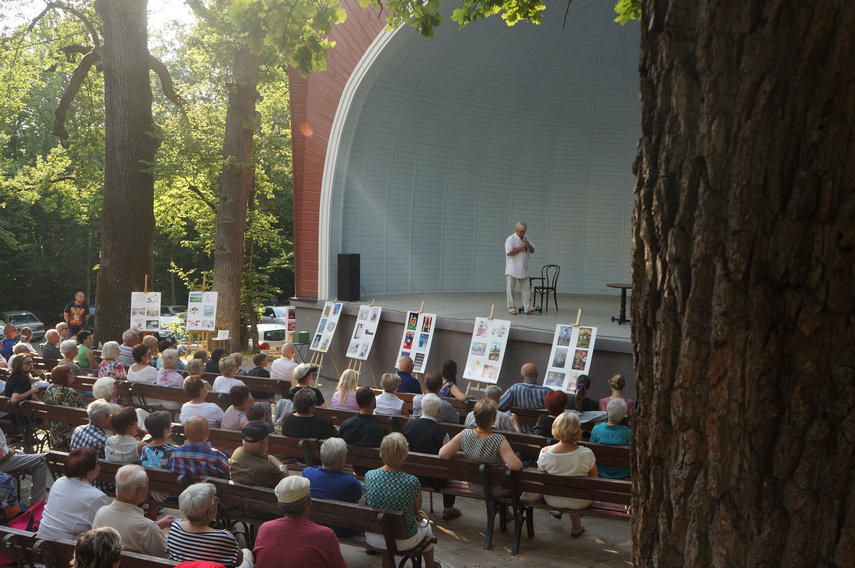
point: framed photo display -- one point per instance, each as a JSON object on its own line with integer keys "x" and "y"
{"x": 364, "y": 331}
{"x": 572, "y": 350}
{"x": 145, "y": 311}
{"x": 201, "y": 311}
{"x": 326, "y": 327}
{"x": 417, "y": 339}
{"x": 487, "y": 350}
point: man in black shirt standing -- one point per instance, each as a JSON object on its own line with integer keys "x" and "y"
{"x": 76, "y": 313}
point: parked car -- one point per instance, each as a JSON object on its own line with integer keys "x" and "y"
{"x": 168, "y": 328}
{"x": 172, "y": 310}
{"x": 24, "y": 319}
{"x": 271, "y": 336}
{"x": 274, "y": 314}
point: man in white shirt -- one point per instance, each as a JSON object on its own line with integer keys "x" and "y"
{"x": 517, "y": 250}
{"x": 282, "y": 369}
{"x": 138, "y": 533}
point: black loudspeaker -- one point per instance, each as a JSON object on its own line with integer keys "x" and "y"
{"x": 348, "y": 277}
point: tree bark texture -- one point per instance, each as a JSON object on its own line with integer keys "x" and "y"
{"x": 743, "y": 311}
{"x": 127, "y": 224}
{"x": 236, "y": 183}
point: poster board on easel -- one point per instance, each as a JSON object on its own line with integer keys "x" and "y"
{"x": 571, "y": 355}
{"x": 327, "y": 326}
{"x": 201, "y": 317}
{"x": 145, "y": 311}
{"x": 291, "y": 323}
{"x": 417, "y": 338}
{"x": 362, "y": 338}
{"x": 486, "y": 352}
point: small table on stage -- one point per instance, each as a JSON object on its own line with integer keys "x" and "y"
{"x": 623, "y": 288}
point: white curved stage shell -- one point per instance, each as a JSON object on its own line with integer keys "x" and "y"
{"x": 441, "y": 145}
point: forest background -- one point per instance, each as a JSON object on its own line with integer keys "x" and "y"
{"x": 51, "y": 189}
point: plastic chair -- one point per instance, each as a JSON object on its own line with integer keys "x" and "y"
{"x": 548, "y": 285}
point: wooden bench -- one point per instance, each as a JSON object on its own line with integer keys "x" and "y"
{"x": 256, "y": 384}
{"x": 610, "y": 497}
{"x": 337, "y": 416}
{"x": 458, "y": 473}
{"x": 159, "y": 480}
{"x": 227, "y": 441}
{"x": 255, "y": 505}
{"x": 58, "y": 553}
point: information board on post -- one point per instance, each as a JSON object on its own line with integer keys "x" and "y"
{"x": 571, "y": 355}
{"x": 487, "y": 350}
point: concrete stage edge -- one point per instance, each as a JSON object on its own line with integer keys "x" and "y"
{"x": 530, "y": 337}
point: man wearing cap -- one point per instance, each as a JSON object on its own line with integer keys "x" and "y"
{"x": 250, "y": 464}
{"x": 303, "y": 374}
{"x": 309, "y": 544}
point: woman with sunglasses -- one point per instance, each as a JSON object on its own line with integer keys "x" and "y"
{"x": 18, "y": 386}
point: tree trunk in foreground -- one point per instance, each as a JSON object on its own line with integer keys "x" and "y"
{"x": 237, "y": 179}
{"x": 744, "y": 294}
{"x": 127, "y": 221}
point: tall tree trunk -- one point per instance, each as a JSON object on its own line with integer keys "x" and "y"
{"x": 743, "y": 281}
{"x": 127, "y": 219}
{"x": 237, "y": 179}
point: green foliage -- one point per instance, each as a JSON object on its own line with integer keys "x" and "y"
{"x": 628, "y": 10}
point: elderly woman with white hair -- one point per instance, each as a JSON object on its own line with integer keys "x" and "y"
{"x": 167, "y": 376}
{"x": 613, "y": 433}
{"x": 390, "y": 488}
{"x": 193, "y": 539}
{"x": 109, "y": 367}
{"x": 68, "y": 349}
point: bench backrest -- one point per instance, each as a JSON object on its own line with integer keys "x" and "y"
{"x": 337, "y": 416}
{"x": 590, "y": 488}
{"x": 58, "y": 553}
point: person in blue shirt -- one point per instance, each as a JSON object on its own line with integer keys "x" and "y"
{"x": 331, "y": 481}
{"x": 409, "y": 383}
{"x": 613, "y": 433}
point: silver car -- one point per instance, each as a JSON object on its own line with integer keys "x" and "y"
{"x": 274, "y": 314}
{"x": 24, "y": 319}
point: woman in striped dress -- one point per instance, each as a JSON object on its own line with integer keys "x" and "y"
{"x": 482, "y": 445}
{"x": 194, "y": 540}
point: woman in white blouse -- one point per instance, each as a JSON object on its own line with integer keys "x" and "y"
{"x": 197, "y": 390}
{"x": 142, "y": 371}
{"x": 73, "y": 500}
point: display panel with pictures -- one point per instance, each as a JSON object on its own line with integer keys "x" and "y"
{"x": 326, "y": 327}
{"x": 145, "y": 311}
{"x": 417, "y": 339}
{"x": 201, "y": 311}
{"x": 571, "y": 355}
{"x": 364, "y": 331}
{"x": 487, "y": 350}
{"x": 291, "y": 322}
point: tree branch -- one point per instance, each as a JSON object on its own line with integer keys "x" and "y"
{"x": 203, "y": 197}
{"x": 76, "y": 80}
{"x": 76, "y": 48}
{"x": 166, "y": 83}
{"x": 92, "y": 32}
{"x": 202, "y": 11}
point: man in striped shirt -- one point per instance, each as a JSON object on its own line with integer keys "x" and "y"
{"x": 525, "y": 394}
{"x": 196, "y": 456}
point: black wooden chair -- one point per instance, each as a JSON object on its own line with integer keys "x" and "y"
{"x": 548, "y": 285}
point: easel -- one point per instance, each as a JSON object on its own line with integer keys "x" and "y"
{"x": 142, "y": 333}
{"x": 196, "y": 339}
{"x": 477, "y": 386}
{"x": 419, "y": 378}
{"x": 317, "y": 359}
{"x": 356, "y": 364}
{"x": 577, "y": 324}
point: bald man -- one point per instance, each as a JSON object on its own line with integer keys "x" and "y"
{"x": 409, "y": 383}
{"x": 525, "y": 394}
{"x": 196, "y": 456}
{"x": 282, "y": 369}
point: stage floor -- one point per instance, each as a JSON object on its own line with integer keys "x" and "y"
{"x": 597, "y": 311}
